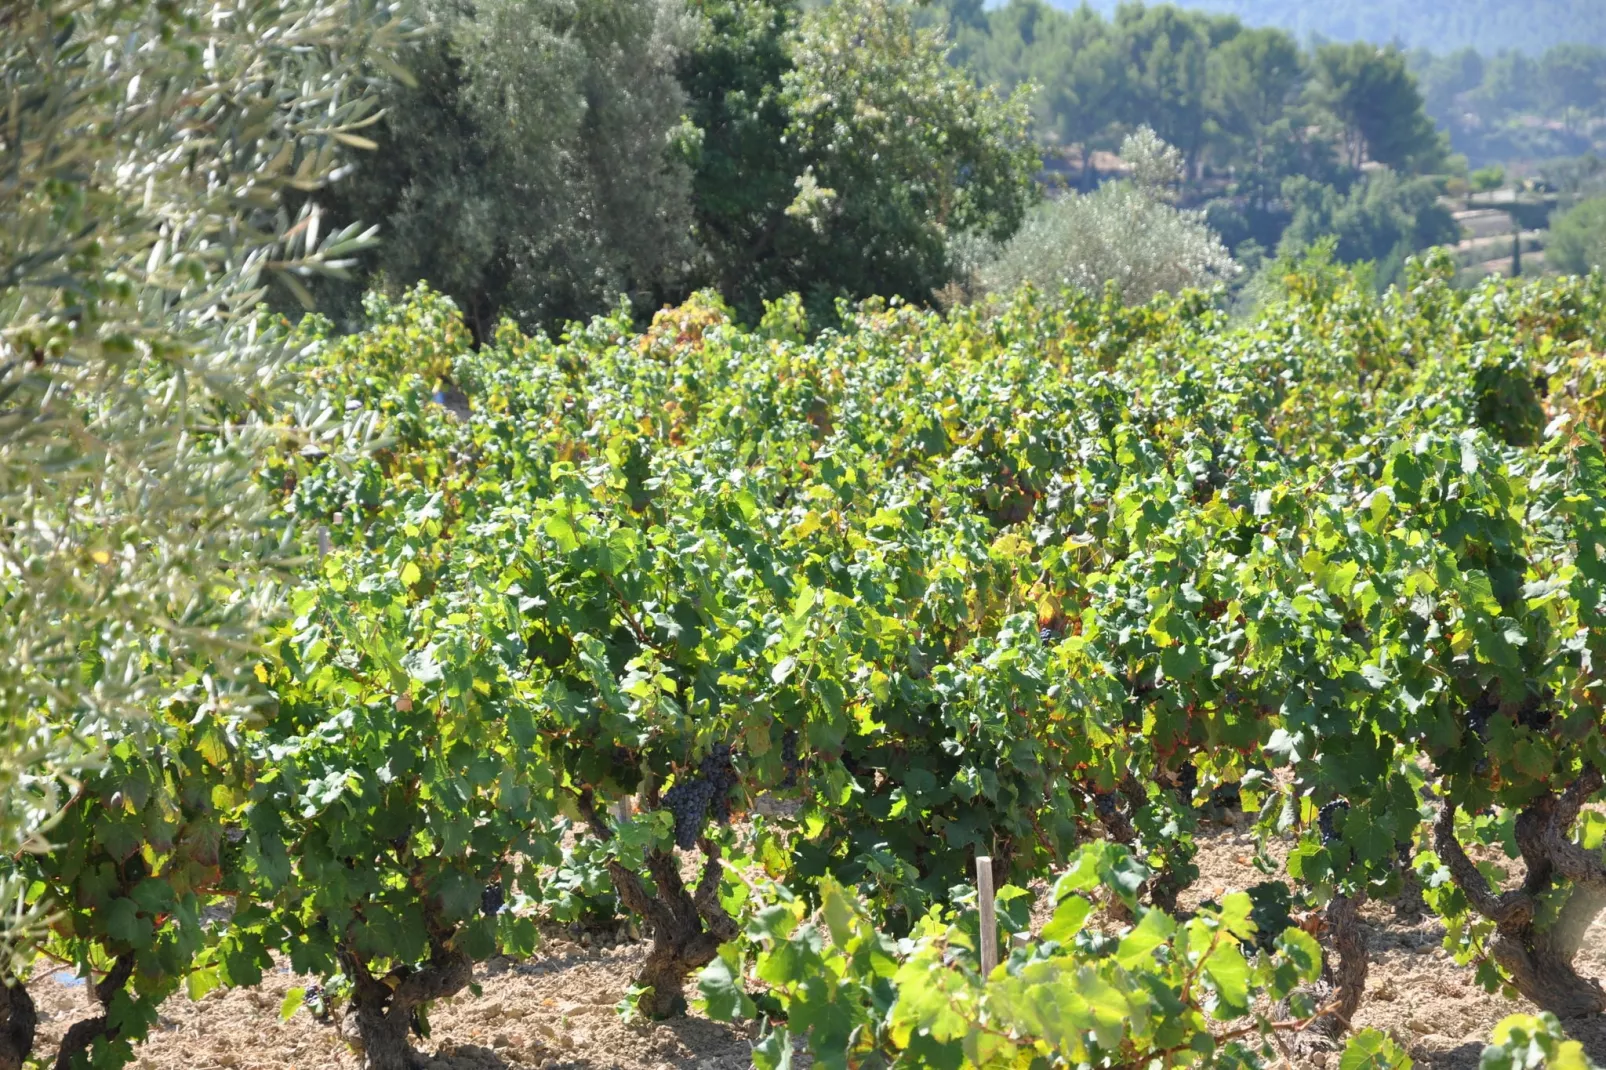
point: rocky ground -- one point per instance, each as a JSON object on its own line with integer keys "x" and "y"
{"x": 557, "y": 1010}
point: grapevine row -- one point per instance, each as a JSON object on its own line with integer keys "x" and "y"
{"x": 1010, "y": 581}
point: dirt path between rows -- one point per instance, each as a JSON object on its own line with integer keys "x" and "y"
{"x": 556, "y": 1010}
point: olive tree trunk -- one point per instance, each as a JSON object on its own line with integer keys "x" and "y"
{"x": 18, "y": 1022}
{"x": 687, "y": 926}
{"x": 1539, "y": 960}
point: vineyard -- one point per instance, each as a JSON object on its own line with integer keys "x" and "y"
{"x": 754, "y": 643}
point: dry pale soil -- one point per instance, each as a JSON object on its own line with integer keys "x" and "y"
{"x": 557, "y": 1009}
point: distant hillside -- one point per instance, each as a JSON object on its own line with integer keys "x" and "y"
{"x": 1490, "y": 26}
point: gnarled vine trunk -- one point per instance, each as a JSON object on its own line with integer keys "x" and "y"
{"x": 1345, "y": 969}
{"x": 687, "y": 927}
{"x": 1539, "y": 959}
{"x": 1343, "y": 983}
{"x": 1162, "y": 889}
{"x": 18, "y": 1022}
{"x": 86, "y": 1032}
{"x": 382, "y": 1009}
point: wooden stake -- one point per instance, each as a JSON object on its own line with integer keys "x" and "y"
{"x": 989, "y": 921}
{"x": 621, "y": 809}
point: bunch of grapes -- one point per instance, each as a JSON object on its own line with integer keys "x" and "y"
{"x": 1324, "y": 819}
{"x": 691, "y": 799}
{"x": 789, "y": 758}
{"x": 1187, "y": 781}
{"x": 317, "y": 1002}
{"x": 688, "y": 801}
{"x": 1227, "y": 796}
{"x": 716, "y": 768}
{"x": 1478, "y": 716}
{"x": 492, "y": 899}
{"x": 1536, "y": 712}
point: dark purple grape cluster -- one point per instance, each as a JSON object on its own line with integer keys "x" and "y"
{"x": 1187, "y": 781}
{"x": 789, "y": 758}
{"x": 1536, "y": 712}
{"x": 1104, "y": 805}
{"x": 692, "y": 799}
{"x": 492, "y": 899}
{"x": 1227, "y": 796}
{"x": 688, "y": 801}
{"x": 1324, "y": 820}
{"x": 317, "y": 1002}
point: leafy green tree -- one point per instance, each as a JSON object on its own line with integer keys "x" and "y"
{"x": 1573, "y": 81}
{"x": 1371, "y": 95}
{"x": 1074, "y": 58}
{"x": 1486, "y": 179}
{"x": 1383, "y": 218}
{"x": 1125, "y": 235}
{"x": 1444, "y": 78}
{"x": 151, "y": 149}
{"x": 1511, "y": 83}
{"x": 900, "y": 152}
{"x": 1577, "y": 241}
{"x": 550, "y": 157}
{"x": 1528, "y": 26}
{"x": 1256, "y": 78}
{"x": 743, "y": 166}
{"x": 1168, "y": 53}
{"x": 529, "y": 170}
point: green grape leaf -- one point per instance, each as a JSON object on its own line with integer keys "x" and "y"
{"x": 1371, "y": 1049}
{"x": 1229, "y": 972}
{"x": 1069, "y": 918}
{"x": 1137, "y": 946}
{"x": 720, "y": 986}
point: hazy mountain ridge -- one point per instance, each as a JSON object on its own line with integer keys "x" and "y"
{"x": 1440, "y": 25}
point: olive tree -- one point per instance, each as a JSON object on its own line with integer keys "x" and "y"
{"x": 531, "y": 170}
{"x": 149, "y": 149}
{"x": 1125, "y": 234}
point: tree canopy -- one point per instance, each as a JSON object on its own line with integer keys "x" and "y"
{"x": 1232, "y": 99}
{"x": 529, "y": 170}
{"x": 1125, "y": 236}
{"x": 1509, "y": 105}
{"x": 158, "y": 149}
{"x": 552, "y": 157}
{"x": 1577, "y": 242}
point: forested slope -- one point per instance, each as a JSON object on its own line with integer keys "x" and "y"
{"x": 1440, "y": 25}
